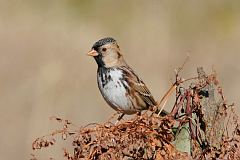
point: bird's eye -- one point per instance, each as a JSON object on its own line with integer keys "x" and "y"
{"x": 104, "y": 49}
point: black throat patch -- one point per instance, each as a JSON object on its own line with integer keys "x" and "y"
{"x": 99, "y": 60}
{"x": 104, "y": 74}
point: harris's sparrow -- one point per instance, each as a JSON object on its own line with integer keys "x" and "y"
{"x": 121, "y": 88}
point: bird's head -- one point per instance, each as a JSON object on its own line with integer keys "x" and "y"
{"x": 106, "y": 52}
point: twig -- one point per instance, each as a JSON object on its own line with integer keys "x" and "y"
{"x": 169, "y": 92}
{"x": 181, "y": 67}
{"x": 173, "y": 87}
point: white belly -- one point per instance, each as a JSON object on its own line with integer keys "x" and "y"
{"x": 114, "y": 92}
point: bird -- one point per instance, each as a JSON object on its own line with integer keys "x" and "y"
{"x": 118, "y": 83}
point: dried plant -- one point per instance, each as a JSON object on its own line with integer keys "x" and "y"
{"x": 210, "y": 124}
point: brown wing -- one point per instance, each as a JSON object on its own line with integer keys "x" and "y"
{"x": 139, "y": 86}
{"x": 144, "y": 92}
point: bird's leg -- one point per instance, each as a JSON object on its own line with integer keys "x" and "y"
{"x": 119, "y": 118}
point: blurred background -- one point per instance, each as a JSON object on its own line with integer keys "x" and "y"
{"x": 44, "y": 70}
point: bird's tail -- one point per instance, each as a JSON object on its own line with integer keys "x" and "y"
{"x": 163, "y": 112}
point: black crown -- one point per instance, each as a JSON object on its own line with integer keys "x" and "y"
{"x": 103, "y": 41}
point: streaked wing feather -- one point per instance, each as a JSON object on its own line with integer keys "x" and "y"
{"x": 144, "y": 92}
{"x": 139, "y": 86}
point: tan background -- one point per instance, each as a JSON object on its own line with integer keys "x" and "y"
{"x": 44, "y": 70}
